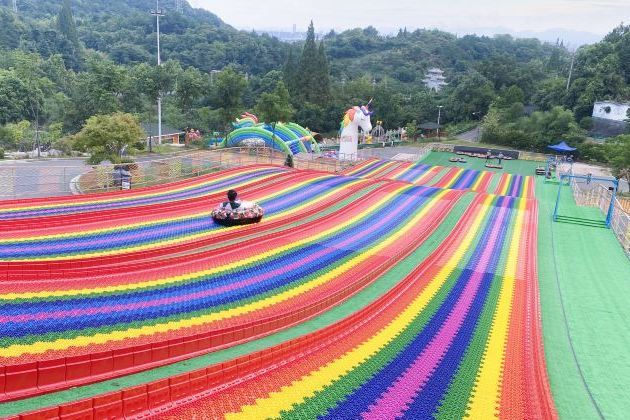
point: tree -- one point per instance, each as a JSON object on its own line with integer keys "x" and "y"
{"x": 473, "y": 93}
{"x": 412, "y": 130}
{"x": 16, "y": 135}
{"x": 623, "y": 49}
{"x": 228, "y": 93}
{"x": 189, "y": 89}
{"x": 13, "y": 97}
{"x": 106, "y": 137}
{"x": 98, "y": 90}
{"x": 510, "y": 96}
{"x": 618, "y": 153}
{"x": 66, "y": 25}
{"x": 290, "y": 72}
{"x": 323, "y": 76}
{"x": 313, "y": 79}
{"x": 275, "y": 106}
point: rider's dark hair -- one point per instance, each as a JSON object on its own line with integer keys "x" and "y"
{"x": 232, "y": 195}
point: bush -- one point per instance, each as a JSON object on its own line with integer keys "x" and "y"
{"x": 64, "y": 144}
{"x": 586, "y": 123}
{"x": 593, "y": 152}
{"x": 1, "y": 153}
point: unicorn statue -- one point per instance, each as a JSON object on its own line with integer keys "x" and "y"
{"x": 355, "y": 118}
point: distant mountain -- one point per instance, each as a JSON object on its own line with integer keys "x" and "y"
{"x": 84, "y": 8}
{"x": 571, "y": 39}
{"x": 125, "y": 30}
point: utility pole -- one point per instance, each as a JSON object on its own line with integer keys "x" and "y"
{"x": 571, "y": 70}
{"x": 39, "y": 148}
{"x": 179, "y": 6}
{"x": 15, "y": 9}
{"x": 158, "y": 13}
{"x": 439, "y": 116}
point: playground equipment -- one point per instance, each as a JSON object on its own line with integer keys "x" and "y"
{"x": 354, "y": 118}
{"x": 588, "y": 180}
{"x": 558, "y": 164}
{"x": 290, "y": 138}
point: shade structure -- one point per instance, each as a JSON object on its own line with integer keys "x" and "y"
{"x": 562, "y": 147}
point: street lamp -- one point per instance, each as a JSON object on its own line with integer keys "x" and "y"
{"x": 158, "y": 13}
{"x": 439, "y": 116}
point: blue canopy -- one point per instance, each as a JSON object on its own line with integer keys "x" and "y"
{"x": 562, "y": 147}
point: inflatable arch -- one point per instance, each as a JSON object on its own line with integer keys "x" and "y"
{"x": 289, "y": 138}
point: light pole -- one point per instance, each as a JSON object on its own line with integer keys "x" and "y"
{"x": 439, "y": 117}
{"x": 158, "y": 13}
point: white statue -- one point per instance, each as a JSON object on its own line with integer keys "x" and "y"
{"x": 354, "y": 118}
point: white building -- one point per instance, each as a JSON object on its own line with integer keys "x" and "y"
{"x": 435, "y": 79}
{"x": 609, "y": 110}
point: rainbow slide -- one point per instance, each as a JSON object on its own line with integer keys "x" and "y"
{"x": 358, "y": 295}
{"x": 418, "y": 173}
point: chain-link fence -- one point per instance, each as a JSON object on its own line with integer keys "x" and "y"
{"x": 153, "y": 172}
{"x": 30, "y": 179}
{"x": 597, "y": 195}
{"x": 24, "y": 181}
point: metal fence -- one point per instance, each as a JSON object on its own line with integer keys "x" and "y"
{"x": 187, "y": 165}
{"x": 597, "y": 195}
{"x": 24, "y": 181}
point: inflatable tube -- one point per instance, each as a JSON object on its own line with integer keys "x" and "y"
{"x": 247, "y": 213}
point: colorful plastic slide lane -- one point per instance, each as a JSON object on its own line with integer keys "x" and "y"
{"x": 459, "y": 336}
{"x": 465, "y": 179}
{"x": 67, "y": 331}
{"x": 31, "y": 208}
{"x": 444, "y": 177}
{"x": 166, "y": 252}
{"x": 516, "y": 186}
{"x": 282, "y": 198}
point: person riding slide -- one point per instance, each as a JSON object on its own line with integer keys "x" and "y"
{"x": 232, "y": 202}
{"x": 236, "y": 212}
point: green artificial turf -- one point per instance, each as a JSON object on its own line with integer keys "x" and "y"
{"x": 584, "y": 280}
{"x": 518, "y": 167}
{"x": 353, "y": 304}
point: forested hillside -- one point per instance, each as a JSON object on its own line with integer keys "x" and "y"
{"x": 62, "y": 61}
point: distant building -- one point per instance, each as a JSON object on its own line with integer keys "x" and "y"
{"x": 169, "y": 135}
{"x": 609, "y": 110}
{"x": 435, "y": 79}
{"x": 609, "y": 119}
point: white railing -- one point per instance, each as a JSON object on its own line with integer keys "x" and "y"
{"x": 597, "y": 195}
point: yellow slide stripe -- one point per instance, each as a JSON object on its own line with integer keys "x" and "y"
{"x": 212, "y": 271}
{"x": 483, "y": 403}
{"x": 149, "y": 223}
{"x": 17, "y": 350}
{"x": 133, "y": 197}
{"x": 308, "y": 385}
{"x": 187, "y": 238}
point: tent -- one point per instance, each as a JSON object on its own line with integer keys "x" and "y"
{"x": 562, "y": 147}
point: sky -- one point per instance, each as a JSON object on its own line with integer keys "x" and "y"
{"x": 458, "y": 16}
